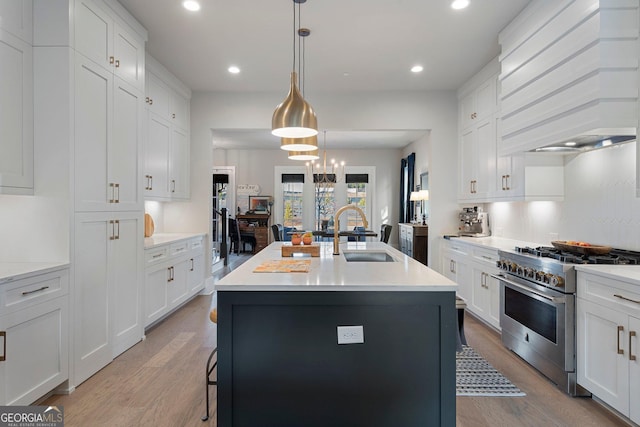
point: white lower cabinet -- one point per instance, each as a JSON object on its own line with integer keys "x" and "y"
{"x": 174, "y": 273}
{"x": 608, "y": 346}
{"x": 471, "y": 268}
{"x": 108, "y": 276}
{"x": 456, "y": 269}
{"x": 34, "y": 338}
{"x": 485, "y": 299}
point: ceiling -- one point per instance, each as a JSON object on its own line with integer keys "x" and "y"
{"x": 355, "y": 45}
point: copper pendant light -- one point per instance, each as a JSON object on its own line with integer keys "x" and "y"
{"x": 309, "y": 143}
{"x": 304, "y": 155}
{"x": 294, "y": 117}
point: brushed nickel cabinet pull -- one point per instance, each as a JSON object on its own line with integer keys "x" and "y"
{"x": 113, "y": 230}
{"x": 147, "y": 100}
{"x": 111, "y": 59}
{"x": 173, "y": 185}
{"x": 117, "y": 191}
{"x": 631, "y": 355}
{"x": 150, "y": 182}
{"x": 507, "y": 178}
{"x": 118, "y": 233}
{"x": 172, "y": 274}
{"x": 3, "y": 334}
{"x": 117, "y": 63}
{"x": 169, "y": 273}
{"x": 191, "y": 265}
{"x": 620, "y": 329}
{"x": 626, "y": 299}
{"x": 150, "y": 101}
{"x": 34, "y": 291}
{"x": 113, "y": 192}
{"x": 173, "y": 116}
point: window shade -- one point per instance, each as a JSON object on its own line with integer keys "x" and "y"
{"x": 357, "y": 178}
{"x": 292, "y": 177}
{"x": 330, "y": 176}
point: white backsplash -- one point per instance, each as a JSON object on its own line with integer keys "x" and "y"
{"x": 599, "y": 206}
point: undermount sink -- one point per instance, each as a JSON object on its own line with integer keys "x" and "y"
{"x": 368, "y": 256}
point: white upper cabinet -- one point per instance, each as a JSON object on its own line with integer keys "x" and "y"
{"x": 16, "y": 18}
{"x": 108, "y": 43}
{"x": 568, "y": 68}
{"x": 109, "y": 111}
{"x": 167, "y": 140}
{"x": 16, "y": 118}
{"x": 486, "y": 176}
{"x": 477, "y": 144}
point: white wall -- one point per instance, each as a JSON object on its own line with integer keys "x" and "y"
{"x": 599, "y": 204}
{"x": 435, "y": 111}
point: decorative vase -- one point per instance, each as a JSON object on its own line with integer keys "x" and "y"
{"x": 296, "y": 239}
{"x": 307, "y": 240}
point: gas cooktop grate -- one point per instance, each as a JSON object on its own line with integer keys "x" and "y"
{"x": 616, "y": 256}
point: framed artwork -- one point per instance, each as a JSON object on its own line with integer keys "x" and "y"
{"x": 259, "y": 204}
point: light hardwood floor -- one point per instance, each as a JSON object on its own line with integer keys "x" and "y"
{"x": 160, "y": 382}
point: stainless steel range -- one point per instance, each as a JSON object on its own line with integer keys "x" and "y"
{"x": 537, "y": 307}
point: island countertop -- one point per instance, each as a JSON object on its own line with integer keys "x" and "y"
{"x": 335, "y": 273}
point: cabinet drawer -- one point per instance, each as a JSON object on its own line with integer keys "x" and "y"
{"x": 178, "y": 248}
{"x": 155, "y": 255}
{"x": 196, "y": 244}
{"x": 618, "y": 295}
{"x": 33, "y": 290}
{"x": 486, "y": 255}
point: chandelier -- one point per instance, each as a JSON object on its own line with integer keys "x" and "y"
{"x": 326, "y": 175}
{"x": 294, "y": 117}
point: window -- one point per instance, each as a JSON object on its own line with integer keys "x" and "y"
{"x": 309, "y": 202}
{"x": 325, "y": 200}
{"x": 292, "y": 200}
{"x": 356, "y": 195}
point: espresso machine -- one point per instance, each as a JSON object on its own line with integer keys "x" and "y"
{"x": 474, "y": 223}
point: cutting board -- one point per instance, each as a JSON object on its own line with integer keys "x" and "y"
{"x": 149, "y": 227}
{"x": 289, "y": 250}
{"x": 284, "y": 266}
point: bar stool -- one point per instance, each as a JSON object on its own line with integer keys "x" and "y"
{"x": 214, "y": 318}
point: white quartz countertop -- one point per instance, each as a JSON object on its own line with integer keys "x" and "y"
{"x": 166, "y": 238}
{"x": 10, "y": 271}
{"x": 492, "y": 242}
{"x": 334, "y": 273}
{"x": 627, "y": 273}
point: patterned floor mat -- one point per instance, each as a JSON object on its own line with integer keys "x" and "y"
{"x": 476, "y": 377}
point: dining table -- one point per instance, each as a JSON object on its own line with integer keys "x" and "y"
{"x": 329, "y": 233}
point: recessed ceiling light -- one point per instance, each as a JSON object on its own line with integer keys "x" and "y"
{"x": 416, "y": 68}
{"x": 191, "y": 5}
{"x": 606, "y": 143}
{"x": 459, "y": 4}
{"x": 233, "y": 69}
{"x": 570, "y": 144}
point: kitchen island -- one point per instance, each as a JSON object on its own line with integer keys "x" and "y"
{"x": 280, "y": 362}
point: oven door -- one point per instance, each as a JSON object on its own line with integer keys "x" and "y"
{"x": 538, "y": 323}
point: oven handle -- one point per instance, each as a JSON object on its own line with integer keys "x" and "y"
{"x": 527, "y": 290}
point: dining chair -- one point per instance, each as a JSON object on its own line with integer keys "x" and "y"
{"x": 385, "y": 232}
{"x": 277, "y": 232}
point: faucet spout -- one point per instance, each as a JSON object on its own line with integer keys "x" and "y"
{"x": 336, "y": 229}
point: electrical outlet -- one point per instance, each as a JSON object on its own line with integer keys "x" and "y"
{"x": 350, "y": 334}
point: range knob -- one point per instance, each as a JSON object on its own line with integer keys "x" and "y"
{"x": 500, "y": 264}
{"x": 539, "y": 276}
{"x": 547, "y": 278}
{"x": 529, "y": 273}
{"x": 520, "y": 271}
{"x": 557, "y": 281}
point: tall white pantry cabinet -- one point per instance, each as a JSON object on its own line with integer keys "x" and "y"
{"x": 97, "y": 49}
